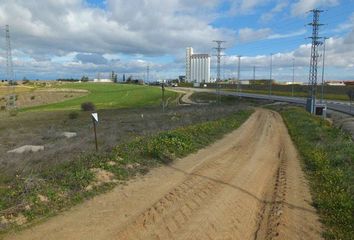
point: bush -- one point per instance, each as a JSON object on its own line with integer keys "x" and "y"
{"x": 73, "y": 115}
{"x": 13, "y": 112}
{"x": 33, "y": 97}
{"x": 88, "y": 106}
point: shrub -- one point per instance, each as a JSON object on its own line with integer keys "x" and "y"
{"x": 13, "y": 112}
{"x": 33, "y": 97}
{"x": 88, "y": 106}
{"x": 73, "y": 115}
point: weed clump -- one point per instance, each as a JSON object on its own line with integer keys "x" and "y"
{"x": 87, "y": 106}
{"x": 73, "y": 115}
{"x": 13, "y": 112}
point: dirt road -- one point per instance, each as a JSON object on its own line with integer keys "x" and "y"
{"x": 248, "y": 185}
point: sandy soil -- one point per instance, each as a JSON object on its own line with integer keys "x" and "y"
{"x": 40, "y": 97}
{"x": 248, "y": 185}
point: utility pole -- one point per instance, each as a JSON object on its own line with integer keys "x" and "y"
{"x": 311, "y": 100}
{"x": 254, "y": 73}
{"x": 323, "y": 68}
{"x": 163, "y": 96}
{"x": 147, "y": 73}
{"x": 238, "y": 74}
{"x": 292, "y": 86}
{"x": 218, "y": 56}
{"x": 270, "y": 75}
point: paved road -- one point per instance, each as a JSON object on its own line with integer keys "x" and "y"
{"x": 340, "y": 106}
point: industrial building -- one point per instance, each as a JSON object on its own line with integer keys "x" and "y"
{"x": 197, "y": 67}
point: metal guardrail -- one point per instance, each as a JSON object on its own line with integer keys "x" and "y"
{"x": 339, "y": 106}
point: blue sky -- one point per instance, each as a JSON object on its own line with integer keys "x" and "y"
{"x": 70, "y": 38}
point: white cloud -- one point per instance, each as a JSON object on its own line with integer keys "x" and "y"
{"x": 137, "y": 26}
{"x": 303, "y": 6}
{"x": 348, "y": 25}
{"x": 249, "y": 34}
{"x": 339, "y": 55}
{"x": 246, "y": 6}
{"x": 59, "y": 30}
{"x": 280, "y": 6}
{"x": 287, "y": 35}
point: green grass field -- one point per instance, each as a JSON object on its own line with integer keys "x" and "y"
{"x": 109, "y": 95}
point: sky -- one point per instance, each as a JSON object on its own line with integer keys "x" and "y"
{"x": 53, "y": 39}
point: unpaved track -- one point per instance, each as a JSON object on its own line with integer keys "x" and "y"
{"x": 248, "y": 185}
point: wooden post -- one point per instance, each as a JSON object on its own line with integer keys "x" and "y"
{"x": 94, "y": 117}
{"x": 163, "y": 96}
{"x": 94, "y": 129}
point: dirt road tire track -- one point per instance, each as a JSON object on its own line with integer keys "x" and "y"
{"x": 249, "y": 185}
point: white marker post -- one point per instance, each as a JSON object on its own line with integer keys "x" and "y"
{"x": 95, "y": 121}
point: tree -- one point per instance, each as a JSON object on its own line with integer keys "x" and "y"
{"x": 25, "y": 80}
{"x": 84, "y": 79}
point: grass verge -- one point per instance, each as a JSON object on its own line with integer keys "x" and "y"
{"x": 328, "y": 155}
{"x": 34, "y": 196}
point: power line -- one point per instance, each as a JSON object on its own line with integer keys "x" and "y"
{"x": 292, "y": 86}
{"x": 323, "y": 67}
{"x": 238, "y": 74}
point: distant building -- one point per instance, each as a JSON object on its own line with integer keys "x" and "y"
{"x": 293, "y": 83}
{"x": 197, "y": 67}
{"x": 181, "y": 78}
{"x": 340, "y": 83}
{"x": 335, "y": 83}
{"x": 102, "y": 80}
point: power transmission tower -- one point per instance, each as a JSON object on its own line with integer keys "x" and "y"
{"x": 9, "y": 64}
{"x": 218, "y": 56}
{"x": 323, "y": 67}
{"x": 11, "y": 98}
{"x": 238, "y": 74}
{"x": 311, "y": 100}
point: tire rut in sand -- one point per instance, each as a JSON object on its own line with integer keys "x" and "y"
{"x": 248, "y": 185}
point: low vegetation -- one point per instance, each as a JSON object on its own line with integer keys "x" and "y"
{"x": 328, "y": 156}
{"x": 88, "y": 106}
{"x": 29, "y": 197}
{"x": 108, "y": 96}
